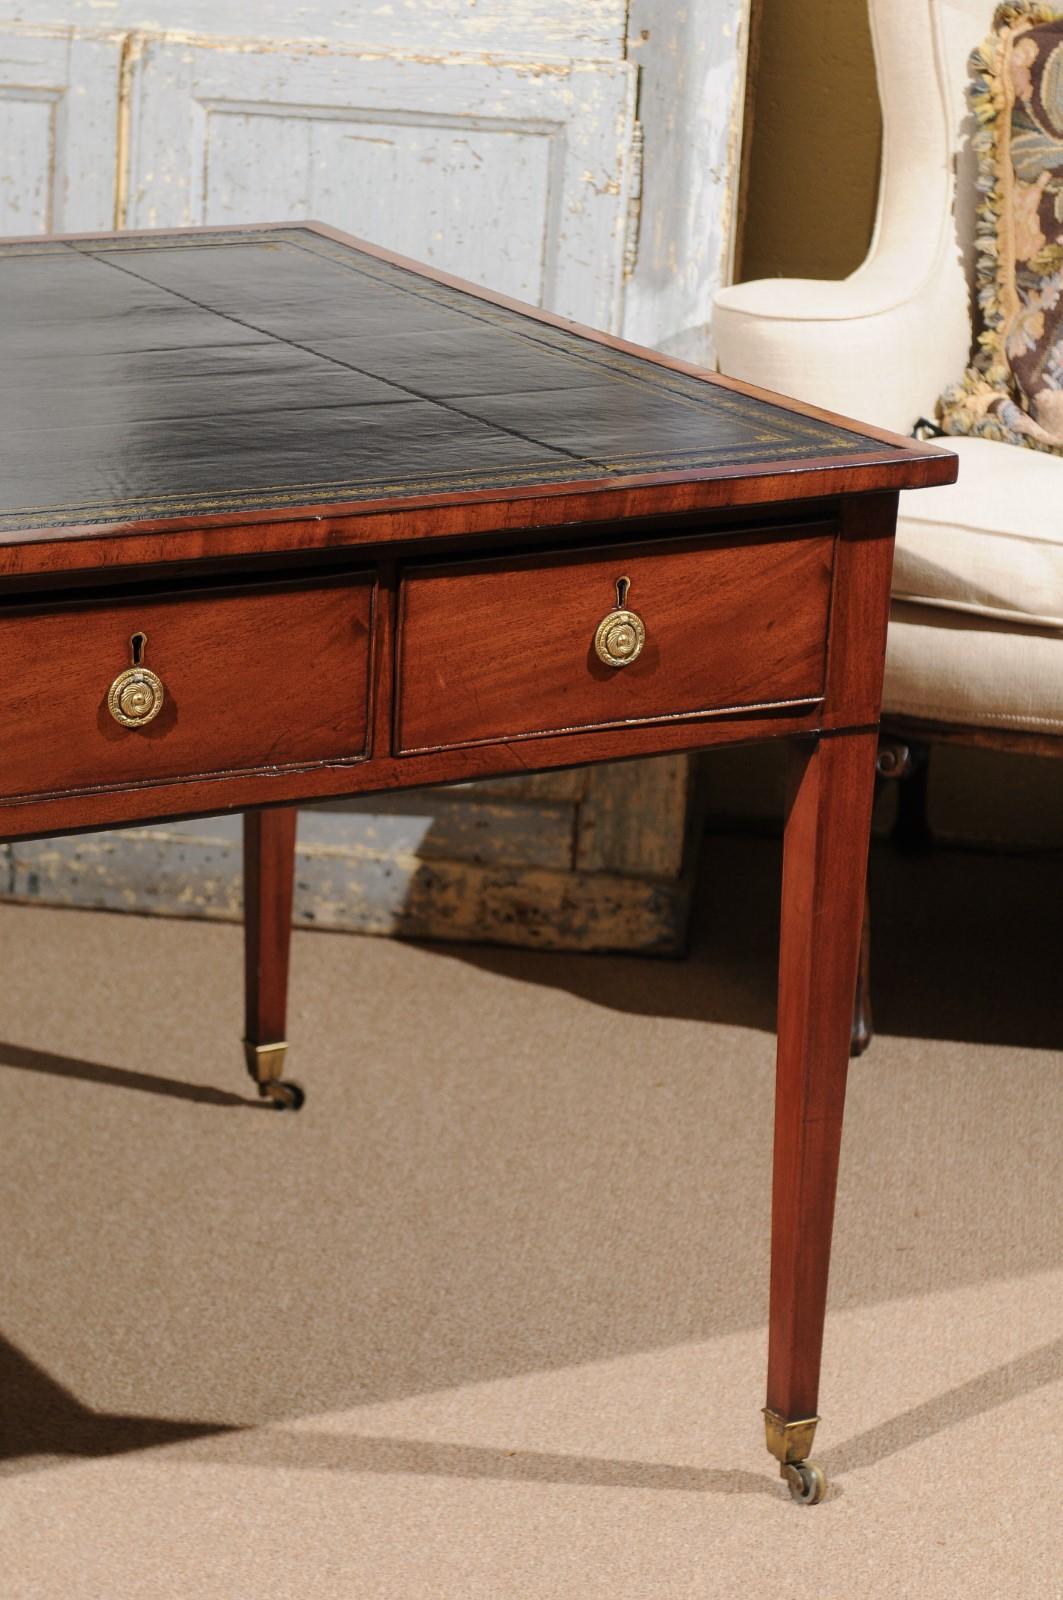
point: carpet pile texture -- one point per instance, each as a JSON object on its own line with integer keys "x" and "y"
{"x": 487, "y": 1319}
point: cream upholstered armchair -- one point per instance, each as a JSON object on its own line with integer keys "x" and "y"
{"x": 975, "y": 651}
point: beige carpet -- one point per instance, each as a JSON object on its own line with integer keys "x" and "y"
{"x": 488, "y": 1318}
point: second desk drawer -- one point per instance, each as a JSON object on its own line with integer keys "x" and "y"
{"x": 147, "y": 688}
{"x": 512, "y": 648}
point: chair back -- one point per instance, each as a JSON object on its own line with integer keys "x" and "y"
{"x": 924, "y": 232}
{"x": 883, "y": 344}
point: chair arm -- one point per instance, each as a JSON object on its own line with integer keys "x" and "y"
{"x": 866, "y": 346}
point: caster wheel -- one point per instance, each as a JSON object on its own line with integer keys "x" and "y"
{"x": 806, "y": 1482}
{"x": 285, "y": 1095}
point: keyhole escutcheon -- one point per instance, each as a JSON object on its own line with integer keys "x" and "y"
{"x": 619, "y": 637}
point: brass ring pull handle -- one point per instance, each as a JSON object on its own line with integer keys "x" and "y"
{"x": 136, "y": 696}
{"x": 620, "y": 636}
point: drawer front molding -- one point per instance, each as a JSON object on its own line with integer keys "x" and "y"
{"x": 519, "y": 647}
{"x": 266, "y": 677}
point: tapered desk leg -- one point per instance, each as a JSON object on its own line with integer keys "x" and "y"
{"x": 824, "y": 866}
{"x": 269, "y": 881}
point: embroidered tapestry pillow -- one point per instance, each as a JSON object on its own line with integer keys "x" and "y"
{"x": 1013, "y": 389}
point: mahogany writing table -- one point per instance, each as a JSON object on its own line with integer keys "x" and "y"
{"x": 283, "y": 518}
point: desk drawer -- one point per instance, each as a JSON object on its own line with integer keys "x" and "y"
{"x": 505, "y": 649}
{"x": 229, "y": 679}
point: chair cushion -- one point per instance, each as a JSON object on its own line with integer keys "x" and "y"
{"x": 990, "y": 544}
{"x": 944, "y": 666}
{"x": 1013, "y": 389}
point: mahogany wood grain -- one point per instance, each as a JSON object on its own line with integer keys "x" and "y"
{"x": 385, "y": 612}
{"x": 860, "y": 610}
{"x": 402, "y": 520}
{"x": 824, "y": 865}
{"x": 269, "y": 882}
{"x": 261, "y": 678}
{"x": 202, "y": 796}
{"x": 504, "y": 650}
{"x": 380, "y": 527}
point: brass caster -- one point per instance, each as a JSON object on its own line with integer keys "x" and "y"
{"x": 285, "y": 1095}
{"x": 265, "y": 1063}
{"x": 805, "y": 1481}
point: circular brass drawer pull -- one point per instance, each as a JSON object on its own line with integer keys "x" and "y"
{"x": 136, "y": 696}
{"x": 620, "y": 636}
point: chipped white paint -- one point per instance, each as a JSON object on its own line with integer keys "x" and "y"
{"x": 504, "y": 172}
{"x": 492, "y": 137}
{"x": 692, "y": 61}
{"x": 58, "y": 120}
{"x": 588, "y": 29}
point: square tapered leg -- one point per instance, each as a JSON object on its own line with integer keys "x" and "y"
{"x": 269, "y": 881}
{"x": 824, "y": 867}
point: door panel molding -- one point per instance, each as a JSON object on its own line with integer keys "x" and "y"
{"x": 58, "y": 129}
{"x": 512, "y": 176}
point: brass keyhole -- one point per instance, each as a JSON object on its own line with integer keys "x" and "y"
{"x": 620, "y": 636}
{"x": 136, "y": 696}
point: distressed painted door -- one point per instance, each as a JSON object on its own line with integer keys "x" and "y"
{"x": 58, "y": 130}
{"x": 592, "y": 29}
{"x": 496, "y": 138}
{"x": 511, "y": 174}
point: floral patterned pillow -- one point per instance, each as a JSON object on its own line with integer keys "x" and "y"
{"x": 1013, "y": 389}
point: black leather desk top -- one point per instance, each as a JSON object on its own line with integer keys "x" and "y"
{"x": 194, "y": 374}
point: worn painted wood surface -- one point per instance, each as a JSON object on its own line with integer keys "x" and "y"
{"x": 536, "y": 786}
{"x": 58, "y": 130}
{"x": 514, "y": 118}
{"x": 512, "y": 174}
{"x": 635, "y": 821}
{"x": 691, "y": 60}
{"x": 584, "y": 29}
{"x": 508, "y": 862}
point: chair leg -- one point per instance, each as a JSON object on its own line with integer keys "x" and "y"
{"x": 863, "y": 1020}
{"x": 896, "y": 759}
{"x": 908, "y": 760}
{"x": 824, "y": 875}
{"x": 269, "y": 881}
{"x": 911, "y": 831}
